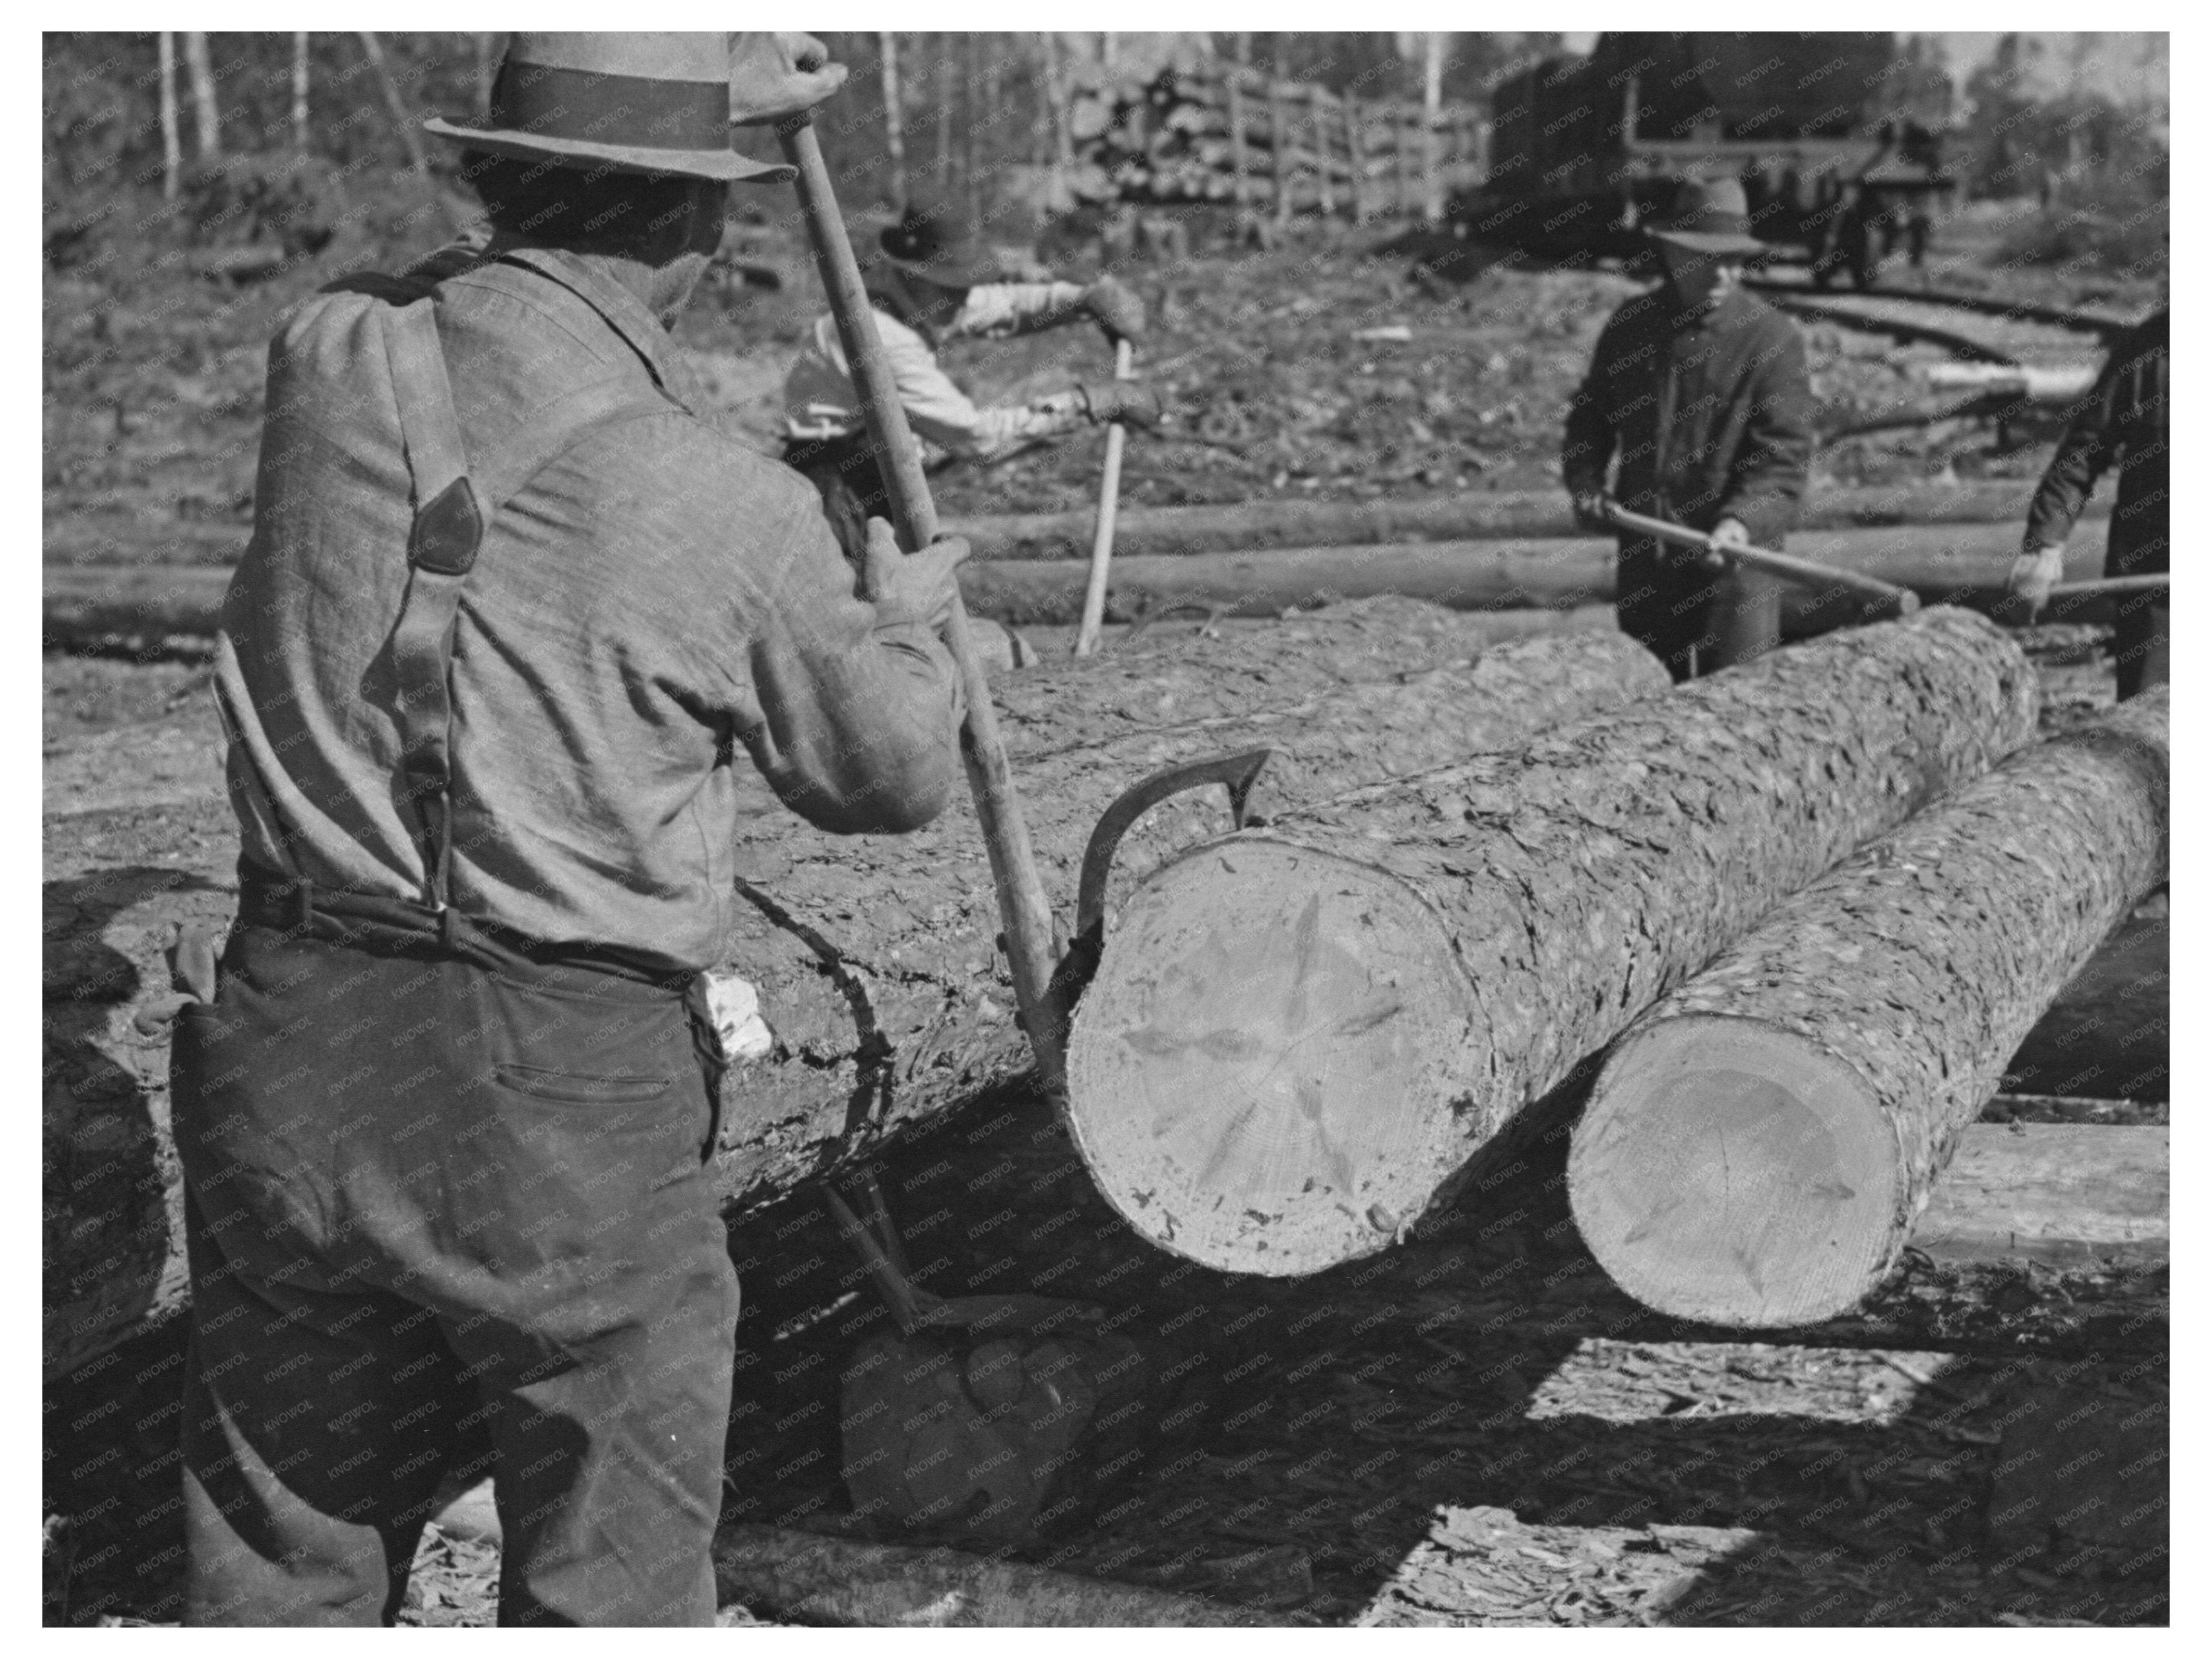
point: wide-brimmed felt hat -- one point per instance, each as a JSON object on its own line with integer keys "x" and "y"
{"x": 1708, "y": 215}
{"x": 653, "y": 103}
{"x": 935, "y": 241}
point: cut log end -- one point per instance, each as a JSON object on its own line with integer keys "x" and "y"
{"x": 1255, "y": 1081}
{"x": 1732, "y": 1172}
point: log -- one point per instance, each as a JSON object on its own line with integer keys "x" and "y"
{"x": 873, "y": 959}
{"x": 1759, "y": 1145}
{"x": 1297, "y": 1037}
{"x": 1245, "y": 527}
{"x": 1955, "y": 564}
{"x": 806, "y": 1578}
{"x": 1943, "y": 563}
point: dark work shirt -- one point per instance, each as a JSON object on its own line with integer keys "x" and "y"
{"x": 1709, "y": 415}
{"x": 2123, "y": 418}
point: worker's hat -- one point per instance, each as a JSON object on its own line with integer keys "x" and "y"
{"x": 1708, "y": 215}
{"x": 637, "y": 103}
{"x": 936, "y": 242}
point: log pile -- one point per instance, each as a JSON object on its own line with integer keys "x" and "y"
{"x": 1297, "y": 1037}
{"x": 1759, "y": 1144}
{"x": 1229, "y": 134}
{"x": 874, "y": 959}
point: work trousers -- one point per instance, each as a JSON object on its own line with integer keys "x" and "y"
{"x": 436, "y": 1185}
{"x": 2140, "y": 630}
{"x": 1692, "y": 617}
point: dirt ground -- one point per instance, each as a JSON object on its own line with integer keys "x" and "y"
{"x": 1472, "y": 1429}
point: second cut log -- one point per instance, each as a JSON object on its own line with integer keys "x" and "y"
{"x": 1758, "y": 1146}
{"x": 1298, "y": 1037}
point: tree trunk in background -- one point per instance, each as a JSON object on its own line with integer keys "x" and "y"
{"x": 1432, "y": 103}
{"x": 401, "y": 119}
{"x": 1759, "y": 1144}
{"x": 873, "y": 959}
{"x": 1298, "y": 1037}
{"x": 487, "y": 57}
{"x": 299, "y": 140}
{"x": 971, "y": 171}
{"x": 1055, "y": 95}
{"x": 893, "y": 117}
{"x": 206, "y": 114}
{"x": 946, "y": 71}
{"x": 173, "y": 150}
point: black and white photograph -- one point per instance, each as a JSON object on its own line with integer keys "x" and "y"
{"x": 1314, "y": 830}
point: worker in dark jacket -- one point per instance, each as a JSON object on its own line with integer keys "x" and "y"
{"x": 514, "y": 620}
{"x": 1696, "y": 398}
{"x": 2123, "y": 418}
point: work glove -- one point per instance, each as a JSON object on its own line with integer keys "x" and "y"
{"x": 1729, "y": 533}
{"x": 911, "y": 587}
{"x": 1589, "y": 507}
{"x": 1116, "y": 308}
{"x": 776, "y": 74}
{"x": 1130, "y": 401}
{"x": 2035, "y": 573}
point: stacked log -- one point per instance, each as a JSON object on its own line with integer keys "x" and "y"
{"x": 1759, "y": 1144}
{"x": 1297, "y": 1037}
{"x": 874, "y": 959}
{"x": 1224, "y": 133}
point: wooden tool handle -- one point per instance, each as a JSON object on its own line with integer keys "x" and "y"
{"x": 2109, "y": 587}
{"x": 1788, "y": 567}
{"x": 1109, "y": 500}
{"x": 1023, "y": 907}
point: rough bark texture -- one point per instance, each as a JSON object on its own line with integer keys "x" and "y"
{"x": 1759, "y": 1145}
{"x": 874, "y": 957}
{"x": 1299, "y": 1036}
{"x": 809, "y": 1579}
{"x": 1242, "y": 526}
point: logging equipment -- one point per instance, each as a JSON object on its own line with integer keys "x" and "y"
{"x": 1023, "y": 906}
{"x": 1898, "y": 601}
{"x": 1110, "y": 497}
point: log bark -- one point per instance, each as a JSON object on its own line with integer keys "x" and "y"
{"x": 873, "y": 959}
{"x": 1299, "y": 1036}
{"x": 813, "y": 1580}
{"x": 1759, "y": 1146}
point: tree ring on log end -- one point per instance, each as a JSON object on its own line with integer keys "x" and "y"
{"x": 1258, "y": 1076}
{"x": 1729, "y": 1171}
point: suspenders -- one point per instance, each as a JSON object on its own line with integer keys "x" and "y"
{"x": 455, "y": 506}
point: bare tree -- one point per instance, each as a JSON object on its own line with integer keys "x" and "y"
{"x": 946, "y": 72}
{"x": 172, "y": 149}
{"x": 1435, "y": 44}
{"x": 893, "y": 117}
{"x": 207, "y": 117}
{"x": 392, "y": 102}
{"x": 299, "y": 91}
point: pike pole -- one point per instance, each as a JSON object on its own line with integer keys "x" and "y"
{"x": 1109, "y": 501}
{"x": 1024, "y": 909}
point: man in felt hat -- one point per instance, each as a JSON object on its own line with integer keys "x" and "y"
{"x": 1696, "y": 398}
{"x": 512, "y": 619}
{"x": 933, "y": 282}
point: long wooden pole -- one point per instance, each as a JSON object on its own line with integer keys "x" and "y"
{"x": 1023, "y": 906}
{"x": 1102, "y": 542}
{"x": 1787, "y": 568}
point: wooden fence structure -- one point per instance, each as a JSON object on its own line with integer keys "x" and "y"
{"x": 1232, "y": 134}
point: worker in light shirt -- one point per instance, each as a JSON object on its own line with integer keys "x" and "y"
{"x": 936, "y": 282}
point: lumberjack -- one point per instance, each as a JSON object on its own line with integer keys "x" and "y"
{"x": 934, "y": 281}
{"x": 512, "y": 617}
{"x": 1700, "y": 391}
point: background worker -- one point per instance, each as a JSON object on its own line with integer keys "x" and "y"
{"x": 933, "y": 282}
{"x": 1699, "y": 402}
{"x": 513, "y": 618}
{"x": 2123, "y": 417}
